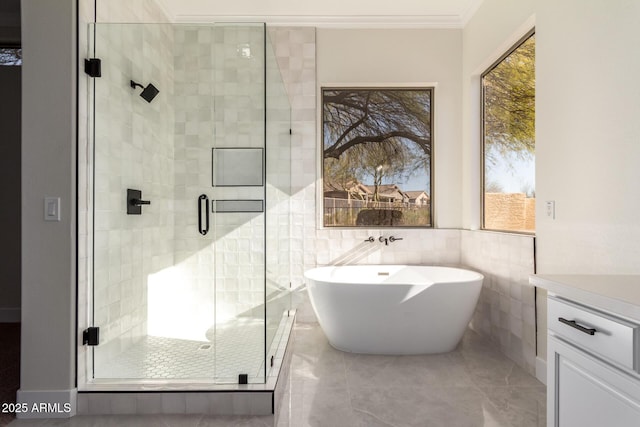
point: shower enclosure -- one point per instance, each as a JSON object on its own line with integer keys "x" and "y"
{"x": 190, "y": 176}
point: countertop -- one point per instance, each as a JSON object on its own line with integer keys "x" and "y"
{"x": 618, "y": 294}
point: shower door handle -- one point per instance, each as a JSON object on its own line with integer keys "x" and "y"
{"x": 203, "y": 228}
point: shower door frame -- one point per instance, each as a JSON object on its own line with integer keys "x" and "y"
{"x": 86, "y": 358}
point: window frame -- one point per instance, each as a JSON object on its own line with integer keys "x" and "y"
{"x": 497, "y": 62}
{"x": 431, "y": 87}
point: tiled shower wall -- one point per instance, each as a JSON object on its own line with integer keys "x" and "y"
{"x": 189, "y": 284}
{"x": 133, "y": 149}
{"x": 239, "y": 122}
{"x": 220, "y": 103}
{"x": 278, "y": 194}
{"x": 295, "y": 52}
{"x": 157, "y": 264}
{"x": 103, "y": 12}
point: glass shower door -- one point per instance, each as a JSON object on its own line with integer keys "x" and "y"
{"x": 153, "y": 275}
{"x": 179, "y": 286}
{"x": 278, "y": 209}
{"x": 239, "y": 191}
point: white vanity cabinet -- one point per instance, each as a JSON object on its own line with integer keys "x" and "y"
{"x": 592, "y": 367}
{"x": 593, "y": 349}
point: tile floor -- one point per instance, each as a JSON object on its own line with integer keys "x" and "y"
{"x": 473, "y": 386}
{"x": 231, "y": 349}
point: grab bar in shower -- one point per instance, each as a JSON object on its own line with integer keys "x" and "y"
{"x": 203, "y": 229}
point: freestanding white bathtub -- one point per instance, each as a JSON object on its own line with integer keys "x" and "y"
{"x": 393, "y": 309}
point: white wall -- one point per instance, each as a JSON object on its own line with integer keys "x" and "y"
{"x": 48, "y": 169}
{"x": 587, "y": 129}
{"x": 495, "y": 27}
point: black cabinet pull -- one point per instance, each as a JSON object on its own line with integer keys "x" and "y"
{"x": 203, "y": 228}
{"x": 575, "y": 325}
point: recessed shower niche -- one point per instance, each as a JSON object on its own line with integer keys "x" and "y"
{"x": 175, "y": 306}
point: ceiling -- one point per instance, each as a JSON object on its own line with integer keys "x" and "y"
{"x": 341, "y": 13}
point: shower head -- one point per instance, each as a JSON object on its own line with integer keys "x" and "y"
{"x": 148, "y": 93}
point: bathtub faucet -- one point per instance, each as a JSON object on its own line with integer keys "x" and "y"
{"x": 384, "y": 240}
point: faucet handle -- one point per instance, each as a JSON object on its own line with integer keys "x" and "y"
{"x": 370, "y": 239}
{"x": 393, "y": 239}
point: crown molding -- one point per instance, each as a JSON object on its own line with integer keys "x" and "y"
{"x": 333, "y": 21}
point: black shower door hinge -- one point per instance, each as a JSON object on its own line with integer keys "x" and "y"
{"x": 91, "y": 336}
{"x": 93, "y": 67}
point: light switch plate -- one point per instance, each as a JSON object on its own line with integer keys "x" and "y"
{"x": 52, "y": 208}
{"x": 551, "y": 209}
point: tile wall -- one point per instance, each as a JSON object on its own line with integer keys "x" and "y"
{"x": 506, "y": 309}
{"x": 211, "y": 82}
{"x": 133, "y": 149}
{"x": 239, "y": 122}
{"x": 278, "y": 193}
{"x": 209, "y": 72}
{"x": 295, "y": 52}
{"x": 110, "y": 11}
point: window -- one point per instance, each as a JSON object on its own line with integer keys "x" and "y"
{"x": 508, "y": 128}
{"x": 377, "y": 145}
{"x": 10, "y": 56}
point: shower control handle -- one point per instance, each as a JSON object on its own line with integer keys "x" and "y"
{"x": 370, "y": 239}
{"x": 203, "y": 208}
{"x": 135, "y": 202}
{"x": 393, "y": 239}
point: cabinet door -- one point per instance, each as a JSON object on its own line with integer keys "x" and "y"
{"x": 590, "y": 393}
